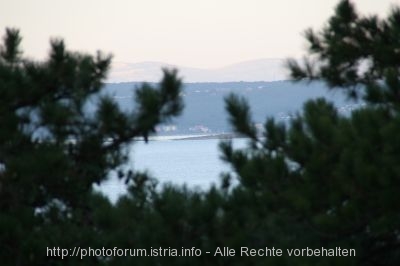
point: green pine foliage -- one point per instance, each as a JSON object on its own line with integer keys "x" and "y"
{"x": 53, "y": 150}
{"x": 322, "y": 180}
{"x": 337, "y": 178}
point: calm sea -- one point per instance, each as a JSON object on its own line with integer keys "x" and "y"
{"x": 195, "y": 163}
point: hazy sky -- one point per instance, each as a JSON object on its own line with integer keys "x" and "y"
{"x": 199, "y": 33}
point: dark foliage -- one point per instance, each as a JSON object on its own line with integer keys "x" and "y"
{"x": 323, "y": 180}
{"x": 52, "y": 150}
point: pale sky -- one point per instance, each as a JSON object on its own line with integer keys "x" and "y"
{"x": 201, "y": 33}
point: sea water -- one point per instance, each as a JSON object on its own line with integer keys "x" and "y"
{"x": 194, "y": 162}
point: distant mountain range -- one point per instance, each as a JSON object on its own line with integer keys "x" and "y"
{"x": 254, "y": 70}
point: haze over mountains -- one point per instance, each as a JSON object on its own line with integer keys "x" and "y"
{"x": 254, "y": 70}
{"x": 264, "y": 83}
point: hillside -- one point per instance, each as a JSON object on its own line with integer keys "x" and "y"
{"x": 204, "y": 103}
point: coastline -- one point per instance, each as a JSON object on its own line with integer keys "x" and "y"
{"x": 221, "y": 136}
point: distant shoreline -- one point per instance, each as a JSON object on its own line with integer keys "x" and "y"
{"x": 221, "y": 136}
{"x": 212, "y": 136}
